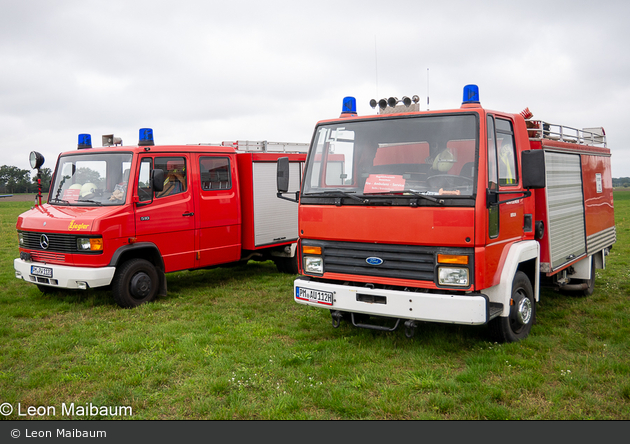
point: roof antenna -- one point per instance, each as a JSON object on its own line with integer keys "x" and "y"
{"x": 376, "y": 64}
{"x": 427, "y": 89}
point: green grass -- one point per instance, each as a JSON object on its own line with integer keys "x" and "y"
{"x": 232, "y": 344}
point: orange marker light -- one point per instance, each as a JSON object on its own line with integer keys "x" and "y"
{"x": 311, "y": 250}
{"x": 452, "y": 259}
{"x": 96, "y": 244}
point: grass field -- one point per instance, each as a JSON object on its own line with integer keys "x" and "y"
{"x": 232, "y": 344}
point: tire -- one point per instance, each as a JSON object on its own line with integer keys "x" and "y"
{"x": 45, "y": 289}
{"x": 518, "y": 324}
{"x": 135, "y": 283}
{"x": 287, "y": 265}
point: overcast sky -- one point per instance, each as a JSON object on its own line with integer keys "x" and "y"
{"x": 199, "y": 71}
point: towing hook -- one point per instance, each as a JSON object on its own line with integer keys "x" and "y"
{"x": 336, "y": 318}
{"x": 410, "y": 328}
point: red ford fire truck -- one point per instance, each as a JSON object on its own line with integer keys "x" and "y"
{"x": 126, "y": 215}
{"x": 455, "y": 216}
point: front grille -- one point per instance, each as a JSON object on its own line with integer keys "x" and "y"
{"x": 410, "y": 262}
{"x": 62, "y": 243}
{"x": 41, "y": 256}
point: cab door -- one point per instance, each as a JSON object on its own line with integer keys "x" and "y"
{"x": 218, "y": 209}
{"x": 167, "y": 218}
{"x": 505, "y": 220}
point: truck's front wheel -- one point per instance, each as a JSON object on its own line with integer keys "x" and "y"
{"x": 518, "y": 324}
{"x": 135, "y": 282}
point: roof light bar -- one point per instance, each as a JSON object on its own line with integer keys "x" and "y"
{"x": 146, "y": 137}
{"x": 471, "y": 94}
{"x": 349, "y": 107}
{"x": 85, "y": 141}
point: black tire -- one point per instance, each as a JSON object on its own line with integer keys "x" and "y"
{"x": 46, "y": 289}
{"x": 135, "y": 283}
{"x": 287, "y": 265}
{"x": 518, "y": 324}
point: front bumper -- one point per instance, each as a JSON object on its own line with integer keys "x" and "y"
{"x": 64, "y": 276}
{"x": 470, "y": 309}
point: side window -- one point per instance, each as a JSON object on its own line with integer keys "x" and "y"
{"x": 215, "y": 173}
{"x": 493, "y": 210}
{"x": 174, "y": 175}
{"x": 144, "y": 181}
{"x": 507, "y": 156}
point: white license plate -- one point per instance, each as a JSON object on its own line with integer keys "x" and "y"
{"x": 41, "y": 271}
{"x": 321, "y": 297}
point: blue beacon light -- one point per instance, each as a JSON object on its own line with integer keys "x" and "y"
{"x": 349, "y": 107}
{"x": 146, "y": 137}
{"x": 85, "y": 141}
{"x": 471, "y": 94}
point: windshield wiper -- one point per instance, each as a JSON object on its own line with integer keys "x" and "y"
{"x": 56, "y": 199}
{"x": 90, "y": 201}
{"x": 340, "y": 193}
{"x": 415, "y": 193}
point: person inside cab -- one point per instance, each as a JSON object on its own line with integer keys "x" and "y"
{"x": 175, "y": 180}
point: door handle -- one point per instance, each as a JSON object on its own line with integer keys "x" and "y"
{"x": 188, "y": 214}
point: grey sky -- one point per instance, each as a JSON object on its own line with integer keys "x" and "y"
{"x": 198, "y": 71}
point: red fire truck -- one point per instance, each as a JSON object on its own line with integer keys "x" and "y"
{"x": 454, "y": 216}
{"x": 126, "y": 215}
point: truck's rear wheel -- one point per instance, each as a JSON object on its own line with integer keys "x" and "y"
{"x": 135, "y": 283}
{"x": 287, "y": 264}
{"x": 518, "y": 324}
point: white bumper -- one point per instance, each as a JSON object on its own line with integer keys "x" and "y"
{"x": 446, "y": 308}
{"x": 64, "y": 276}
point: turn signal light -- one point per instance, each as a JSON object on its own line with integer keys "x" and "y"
{"x": 452, "y": 259}
{"x": 311, "y": 250}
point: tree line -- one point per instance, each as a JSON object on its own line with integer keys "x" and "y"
{"x": 621, "y": 182}
{"x": 15, "y": 180}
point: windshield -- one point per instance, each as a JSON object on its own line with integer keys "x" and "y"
{"x": 427, "y": 155}
{"x": 91, "y": 179}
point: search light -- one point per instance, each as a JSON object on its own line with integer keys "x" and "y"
{"x": 36, "y": 159}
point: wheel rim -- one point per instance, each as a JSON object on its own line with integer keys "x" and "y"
{"x": 140, "y": 285}
{"x": 524, "y": 311}
{"x": 521, "y": 312}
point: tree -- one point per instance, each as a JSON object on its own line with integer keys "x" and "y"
{"x": 14, "y": 179}
{"x": 46, "y": 174}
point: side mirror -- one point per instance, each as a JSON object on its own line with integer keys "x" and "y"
{"x": 533, "y": 165}
{"x": 157, "y": 179}
{"x": 282, "y": 175}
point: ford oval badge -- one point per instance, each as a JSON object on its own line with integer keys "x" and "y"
{"x": 374, "y": 260}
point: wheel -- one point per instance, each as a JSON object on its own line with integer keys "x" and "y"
{"x": 448, "y": 180}
{"x": 287, "y": 265}
{"x": 135, "y": 282}
{"x": 518, "y": 324}
{"x": 46, "y": 289}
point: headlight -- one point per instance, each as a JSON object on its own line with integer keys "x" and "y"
{"x": 314, "y": 265}
{"x": 89, "y": 244}
{"x": 21, "y": 238}
{"x": 453, "y": 276}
